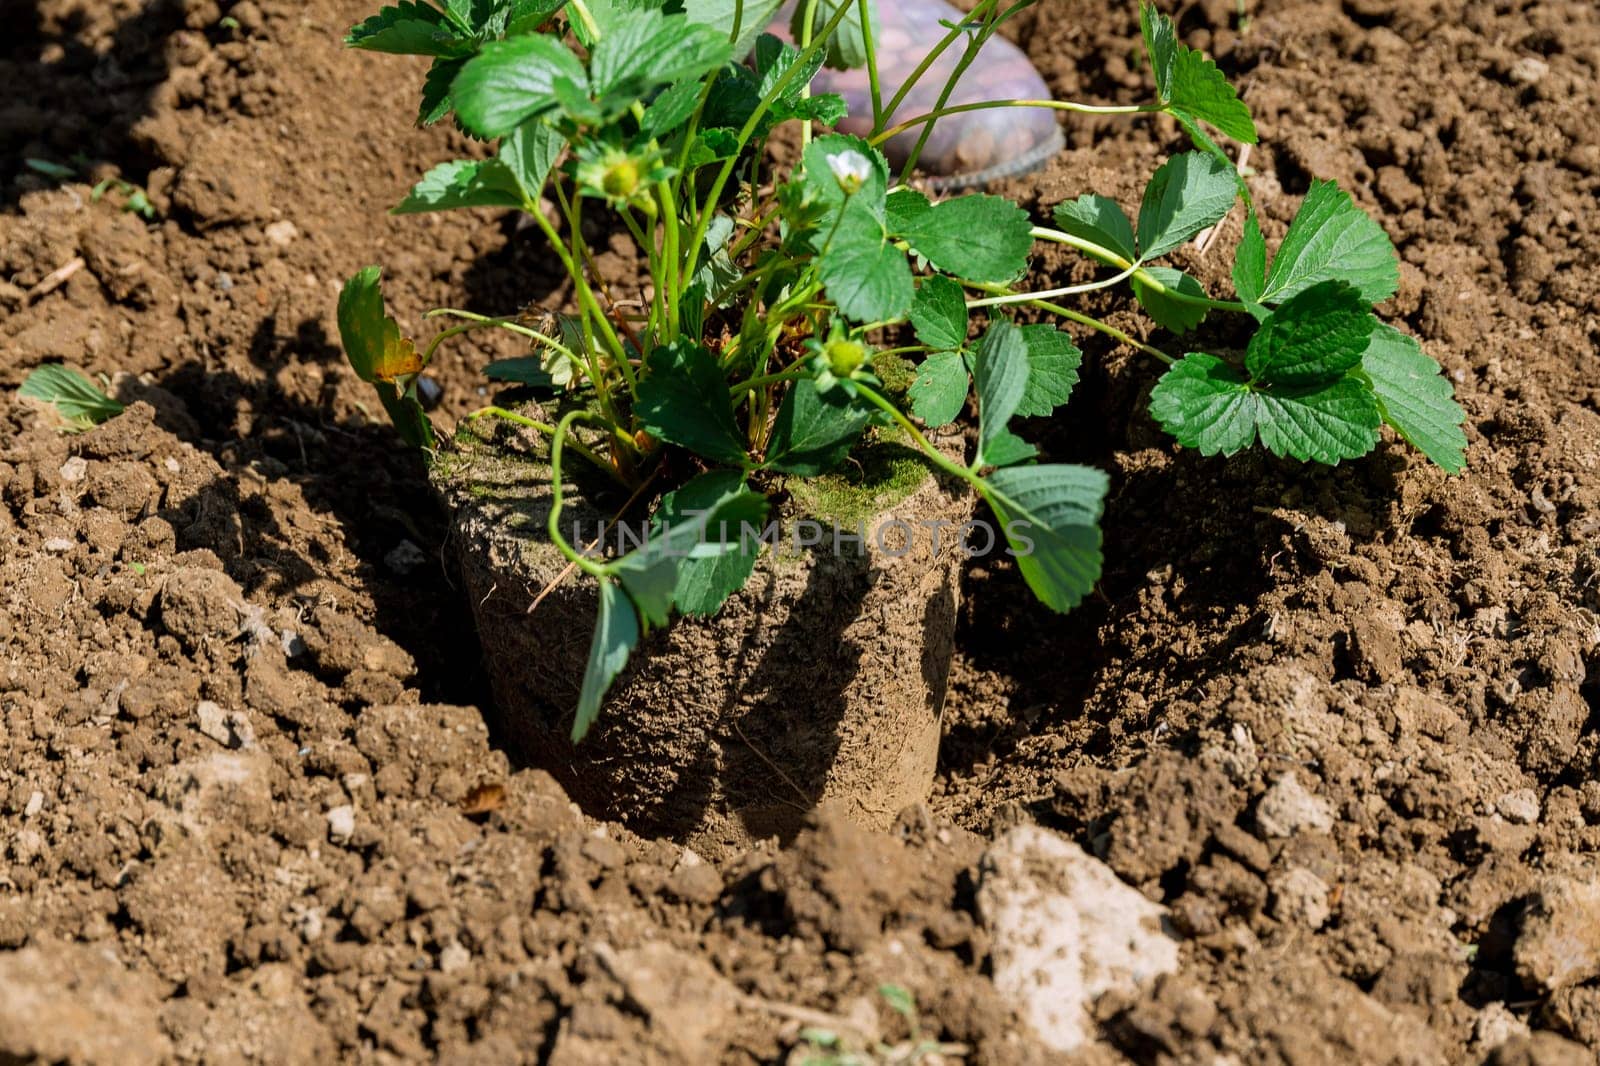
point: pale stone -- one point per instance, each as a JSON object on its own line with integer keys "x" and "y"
{"x": 1065, "y": 930}
{"x": 1287, "y": 808}
{"x": 341, "y": 823}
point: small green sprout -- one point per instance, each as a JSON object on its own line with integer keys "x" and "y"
{"x": 134, "y": 198}
{"x": 80, "y": 403}
{"x": 841, "y": 1047}
{"x": 58, "y": 171}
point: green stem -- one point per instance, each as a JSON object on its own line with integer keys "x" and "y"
{"x": 1050, "y": 294}
{"x": 792, "y": 373}
{"x": 558, "y": 440}
{"x": 975, "y": 44}
{"x": 1080, "y": 318}
{"x": 1148, "y": 280}
{"x": 669, "y": 254}
{"x": 591, "y": 305}
{"x": 938, "y": 458}
{"x": 807, "y": 26}
{"x": 654, "y": 256}
{"x": 1051, "y": 105}
{"x": 482, "y": 321}
{"x": 591, "y": 27}
{"x": 586, "y": 300}
{"x": 863, "y": 7}
{"x": 549, "y": 431}
{"x": 698, "y": 237}
{"x": 975, "y": 15}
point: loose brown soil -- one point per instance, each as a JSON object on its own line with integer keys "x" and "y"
{"x": 252, "y": 812}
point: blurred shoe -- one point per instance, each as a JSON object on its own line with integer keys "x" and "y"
{"x": 964, "y": 150}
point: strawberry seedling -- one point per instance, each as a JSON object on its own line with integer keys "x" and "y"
{"x": 777, "y": 305}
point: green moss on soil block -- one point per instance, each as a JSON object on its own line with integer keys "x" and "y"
{"x": 878, "y": 475}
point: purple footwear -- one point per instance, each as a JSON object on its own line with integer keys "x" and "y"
{"x": 963, "y": 150}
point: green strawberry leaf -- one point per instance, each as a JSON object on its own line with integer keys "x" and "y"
{"x": 867, "y": 276}
{"x": 719, "y": 503}
{"x": 1007, "y": 449}
{"x": 1206, "y": 404}
{"x": 773, "y": 60}
{"x": 978, "y": 237}
{"x": 814, "y": 430}
{"x": 1001, "y": 372}
{"x": 462, "y": 183}
{"x": 753, "y": 17}
{"x": 408, "y": 29}
{"x": 671, "y": 108}
{"x": 1160, "y": 45}
{"x": 826, "y": 109}
{"x": 1098, "y": 219}
{"x": 1053, "y": 362}
{"x": 529, "y": 153}
{"x": 939, "y": 392}
{"x": 521, "y": 370}
{"x": 683, "y": 399}
{"x": 527, "y": 16}
{"x": 939, "y": 314}
{"x": 1190, "y": 84}
{"x": 1415, "y": 397}
{"x": 1180, "y": 316}
{"x": 511, "y": 81}
{"x": 1209, "y": 405}
{"x": 1331, "y": 239}
{"x": 1202, "y": 91}
{"x": 616, "y": 634}
{"x": 436, "y": 102}
{"x": 1313, "y": 338}
{"x": 1186, "y": 194}
{"x": 381, "y": 356}
{"x": 1250, "y": 263}
{"x": 1324, "y": 423}
{"x": 649, "y": 49}
{"x": 903, "y": 207}
{"x": 1051, "y": 517}
{"x": 372, "y": 339}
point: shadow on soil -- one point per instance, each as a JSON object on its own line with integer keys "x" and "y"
{"x": 80, "y": 103}
{"x": 359, "y": 483}
{"x": 1204, "y": 534}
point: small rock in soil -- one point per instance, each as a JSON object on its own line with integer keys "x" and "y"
{"x": 1559, "y": 941}
{"x": 282, "y": 233}
{"x": 404, "y": 558}
{"x": 341, "y": 823}
{"x": 1299, "y": 897}
{"x": 429, "y": 392}
{"x": 228, "y": 728}
{"x": 686, "y": 1000}
{"x": 197, "y": 603}
{"x": 1519, "y": 807}
{"x": 1494, "y": 1025}
{"x": 1065, "y": 930}
{"x": 1287, "y": 807}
